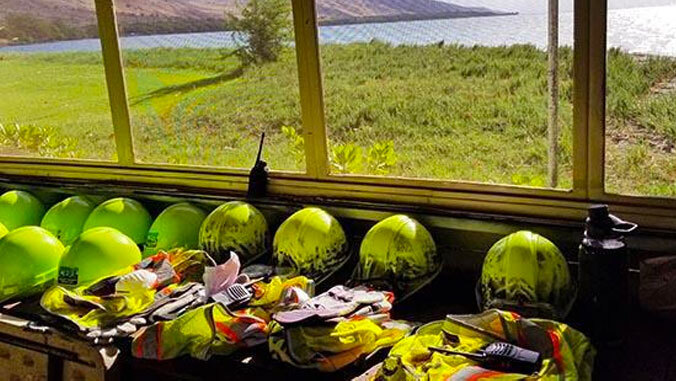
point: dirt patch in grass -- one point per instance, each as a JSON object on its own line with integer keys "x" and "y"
{"x": 664, "y": 87}
{"x": 630, "y": 133}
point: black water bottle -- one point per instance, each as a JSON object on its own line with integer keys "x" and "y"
{"x": 603, "y": 291}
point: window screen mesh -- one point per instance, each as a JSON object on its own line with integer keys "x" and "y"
{"x": 445, "y": 90}
{"x": 53, "y": 97}
{"x": 207, "y": 78}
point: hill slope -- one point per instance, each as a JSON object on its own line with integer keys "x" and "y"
{"x": 185, "y": 14}
{"x": 343, "y": 11}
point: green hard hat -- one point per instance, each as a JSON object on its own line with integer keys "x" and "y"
{"x": 29, "y": 257}
{"x": 526, "y": 273}
{"x": 3, "y": 230}
{"x": 66, "y": 218}
{"x": 95, "y": 254}
{"x": 19, "y": 208}
{"x": 399, "y": 252}
{"x": 311, "y": 242}
{"x": 235, "y": 226}
{"x": 124, "y": 214}
{"x": 178, "y": 226}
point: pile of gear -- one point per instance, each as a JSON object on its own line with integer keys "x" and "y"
{"x": 202, "y": 284}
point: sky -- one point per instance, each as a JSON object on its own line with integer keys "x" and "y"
{"x": 540, "y": 6}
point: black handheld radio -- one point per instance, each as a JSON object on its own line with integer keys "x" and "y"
{"x": 258, "y": 177}
{"x": 503, "y": 357}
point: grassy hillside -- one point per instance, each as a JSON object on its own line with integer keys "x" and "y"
{"x": 450, "y": 112}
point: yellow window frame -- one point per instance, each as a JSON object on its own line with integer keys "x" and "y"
{"x": 318, "y": 182}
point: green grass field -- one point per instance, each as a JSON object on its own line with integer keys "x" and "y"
{"x": 477, "y": 114}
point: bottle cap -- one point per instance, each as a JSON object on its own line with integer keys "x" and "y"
{"x": 601, "y": 223}
{"x": 599, "y": 212}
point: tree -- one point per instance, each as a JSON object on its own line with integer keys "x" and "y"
{"x": 261, "y": 30}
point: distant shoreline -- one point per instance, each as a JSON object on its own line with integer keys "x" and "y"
{"x": 405, "y": 17}
{"x": 170, "y": 26}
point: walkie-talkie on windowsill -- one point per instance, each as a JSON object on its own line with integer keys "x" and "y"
{"x": 258, "y": 177}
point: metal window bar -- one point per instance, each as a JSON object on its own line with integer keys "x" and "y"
{"x": 553, "y": 86}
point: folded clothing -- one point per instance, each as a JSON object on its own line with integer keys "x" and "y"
{"x": 567, "y": 354}
{"x": 339, "y": 303}
{"x": 160, "y": 287}
{"x": 214, "y": 329}
{"x": 335, "y": 329}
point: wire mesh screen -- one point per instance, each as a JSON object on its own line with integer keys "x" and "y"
{"x": 53, "y": 98}
{"x": 207, "y": 78}
{"x": 454, "y": 90}
{"x": 640, "y": 99}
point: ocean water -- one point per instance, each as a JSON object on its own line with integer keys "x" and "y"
{"x": 649, "y": 30}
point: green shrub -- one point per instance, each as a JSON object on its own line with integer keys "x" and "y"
{"x": 381, "y": 158}
{"x": 296, "y": 143}
{"x": 346, "y": 158}
{"x": 262, "y": 30}
{"x": 40, "y": 140}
